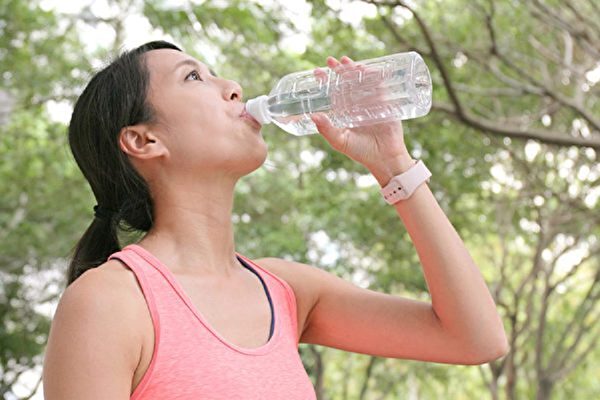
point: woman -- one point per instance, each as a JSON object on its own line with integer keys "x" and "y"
{"x": 180, "y": 314}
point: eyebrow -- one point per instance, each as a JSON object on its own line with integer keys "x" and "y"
{"x": 192, "y": 63}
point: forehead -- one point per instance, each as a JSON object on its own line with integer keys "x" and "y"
{"x": 166, "y": 63}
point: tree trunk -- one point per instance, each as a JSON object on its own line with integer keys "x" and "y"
{"x": 318, "y": 368}
{"x": 511, "y": 377}
{"x": 494, "y": 389}
{"x": 544, "y": 389}
{"x": 368, "y": 373}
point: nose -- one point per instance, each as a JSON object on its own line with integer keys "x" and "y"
{"x": 232, "y": 91}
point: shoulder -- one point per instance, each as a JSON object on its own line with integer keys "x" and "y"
{"x": 115, "y": 275}
{"x": 112, "y": 282}
{"x": 295, "y": 273}
{"x": 93, "y": 328}
{"x": 103, "y": 282}
{"x": 306, "y": 280}
{"x": 302, "y": 278}
{"x": 109, "y": 292}
{"x": 106, "y": 289}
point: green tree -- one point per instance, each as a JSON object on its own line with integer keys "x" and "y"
{"x": 527, "y": 207}
{"x": 37, "y": 177}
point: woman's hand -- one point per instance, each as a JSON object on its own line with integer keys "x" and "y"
{"x": 380, "y": 147}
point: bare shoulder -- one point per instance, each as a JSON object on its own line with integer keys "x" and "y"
{"x": 114, "y": 287}
{"x": 304, "y": 281}
{"x": 117, "y": 275}
{"x": 110, "y": 284}
{"x": 304, "y": 276}
{"x": 296, "y": 274}
{"x": 92, "y": 330}
{"x": 124, "y": 278}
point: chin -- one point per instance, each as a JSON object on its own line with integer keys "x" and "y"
{"x": 255, "y": 159}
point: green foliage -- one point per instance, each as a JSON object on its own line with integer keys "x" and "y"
{"x": 40, "y": 184}
{"x": 35, "y": 69}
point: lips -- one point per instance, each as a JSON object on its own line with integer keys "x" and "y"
{"x": 244, "y": 114}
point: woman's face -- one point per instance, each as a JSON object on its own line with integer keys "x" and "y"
{"x": 199, "y": 119}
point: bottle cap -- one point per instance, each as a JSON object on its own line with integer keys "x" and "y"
{"x": 258, "y": 108}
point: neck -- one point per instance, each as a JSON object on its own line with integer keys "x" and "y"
{"x": 193, "y": 232}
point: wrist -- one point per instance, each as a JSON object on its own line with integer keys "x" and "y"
{"x": 389, "y": 168}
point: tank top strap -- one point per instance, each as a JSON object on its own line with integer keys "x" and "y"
{"x": 137, "y": 265}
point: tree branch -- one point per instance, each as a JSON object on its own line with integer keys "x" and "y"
{"x": 575, "y": 267}
{"x": 541, "y": 88}
{"x": 561, "y": 373}
{"x": 456, "y": 109}
{"x": 398, "y": 37}
{"x": 559, "y": 358}
{"x": 543, "y": 136}
{"x": 368, "y": 372}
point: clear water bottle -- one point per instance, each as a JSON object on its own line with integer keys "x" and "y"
{"x": 383, "y": 89}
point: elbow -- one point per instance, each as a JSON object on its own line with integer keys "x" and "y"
{"x": 493, "y": 356}
{"x": 490, "y": 353}
{"x": 494, "y": 346}
{"x": 503, "y": 349}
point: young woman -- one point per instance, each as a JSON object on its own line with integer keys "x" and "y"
{"x": 180, "y": 314}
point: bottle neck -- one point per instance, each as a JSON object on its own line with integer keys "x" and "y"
{"x": 259, "y": 109}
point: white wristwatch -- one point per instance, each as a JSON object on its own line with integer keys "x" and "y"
{"x": 402, "y": 186}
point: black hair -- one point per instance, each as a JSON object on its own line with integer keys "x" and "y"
{"x": 115, "y": 97}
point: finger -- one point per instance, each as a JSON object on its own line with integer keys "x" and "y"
{"x": 332, "y": 62}
{"x": 321, "y": 121}
{"x": 349, "y": 64}
{"x": 320, "y": 74}
{"x": 335, "y": 137}
{"x": 346, "y": 60}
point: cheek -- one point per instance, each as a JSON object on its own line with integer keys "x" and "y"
{"x": 187, "y": 110}
{"x": 196, "y": 136}
{"x": 205, "y": 147}
{"x": 194, "y": 117}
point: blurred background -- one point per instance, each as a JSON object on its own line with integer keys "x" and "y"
{"x": 512, "y": 141}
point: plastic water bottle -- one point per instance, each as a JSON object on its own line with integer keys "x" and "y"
{"x": 383, "y": 89}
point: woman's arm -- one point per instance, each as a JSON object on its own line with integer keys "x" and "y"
{"x": 91, "y": 354}
{"x": 459, "y": 295}
{"x": 461, "y": 301}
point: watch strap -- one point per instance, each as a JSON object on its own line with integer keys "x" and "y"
{"x": 402, "y": 186}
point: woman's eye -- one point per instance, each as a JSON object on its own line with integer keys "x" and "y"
{"x": 193, "y": 73}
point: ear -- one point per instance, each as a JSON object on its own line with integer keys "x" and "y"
{"x": 139, "y": 142}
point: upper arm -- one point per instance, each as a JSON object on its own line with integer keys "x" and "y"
{"x": 351, "y": 318}
{"x": 91, "y": 353}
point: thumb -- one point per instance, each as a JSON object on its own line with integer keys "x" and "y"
{"x": 320, "y": 120}
{"x": 335, "y": 136}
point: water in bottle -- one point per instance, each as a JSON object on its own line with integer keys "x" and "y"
{"x": 383, "y": 89}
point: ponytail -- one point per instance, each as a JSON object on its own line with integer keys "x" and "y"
{"x": 115, "y": 97}
{"x": 99, "y": 240}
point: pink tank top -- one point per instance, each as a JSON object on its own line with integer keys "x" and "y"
{"x": 191, "y": 361}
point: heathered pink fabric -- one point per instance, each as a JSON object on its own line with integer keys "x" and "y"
{"x": 192, "y": 361}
